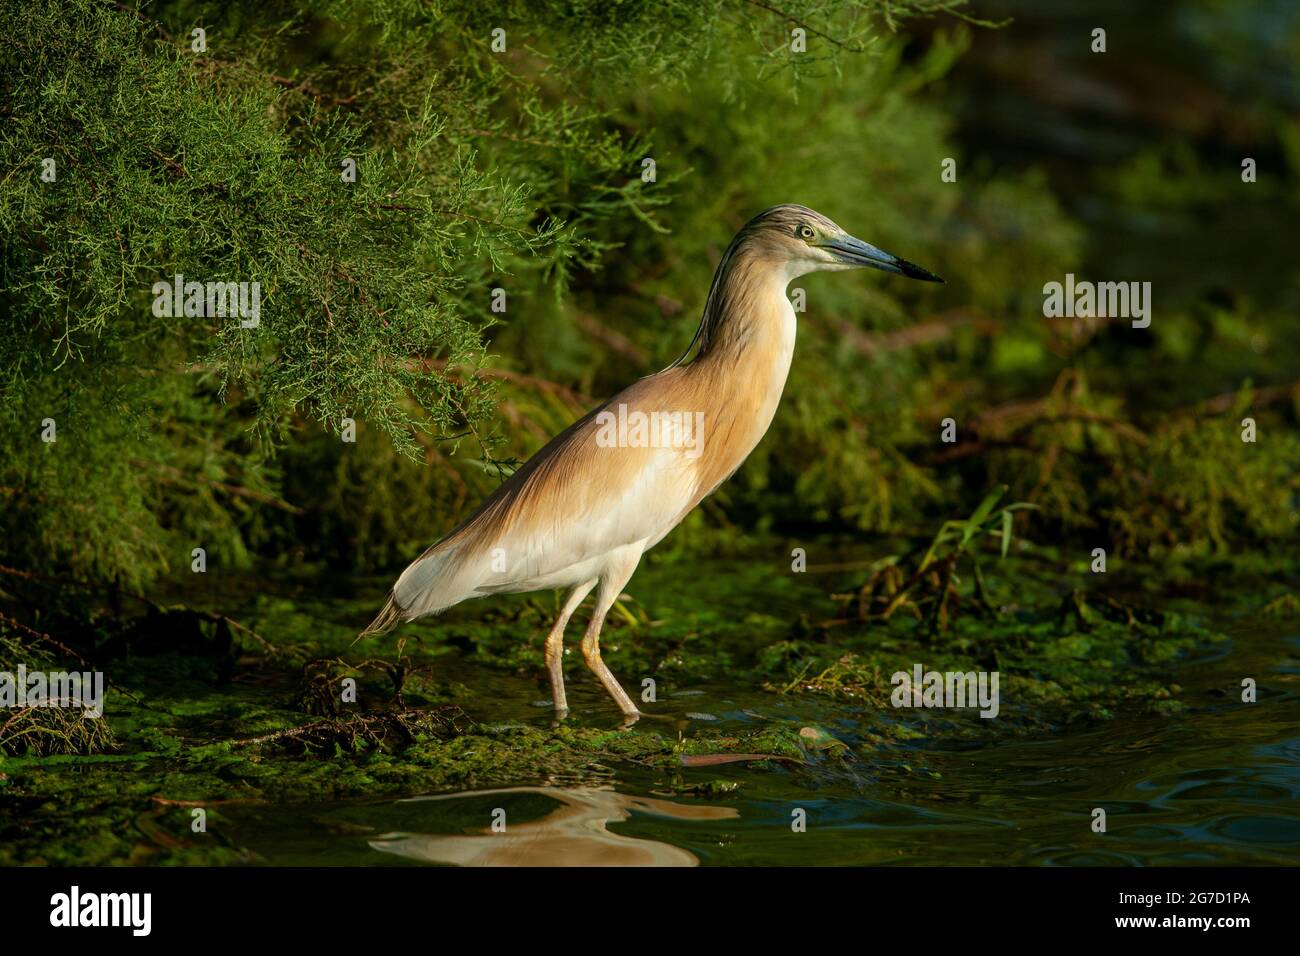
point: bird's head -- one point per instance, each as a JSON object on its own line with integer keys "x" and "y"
{"x": 803, "y": 240}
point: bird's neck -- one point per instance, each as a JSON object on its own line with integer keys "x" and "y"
{"x": 746, "y": 349}
{"x": 749, "y": 324}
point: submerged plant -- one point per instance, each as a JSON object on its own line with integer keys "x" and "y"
{"x": 926, "y": 584}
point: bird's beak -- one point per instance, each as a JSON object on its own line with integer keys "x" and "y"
{"x": 859, "y": 253}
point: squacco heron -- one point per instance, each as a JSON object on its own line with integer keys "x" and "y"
{"x": 579, "y": 514}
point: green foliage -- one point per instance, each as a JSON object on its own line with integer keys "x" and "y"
{"x": 474, "y": 169}
{"x": 1198, "y": 474}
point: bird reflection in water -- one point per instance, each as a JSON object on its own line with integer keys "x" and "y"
{"x": 573, "y": 834}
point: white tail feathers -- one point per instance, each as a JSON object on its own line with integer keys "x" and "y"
{"x": 385, "y": 620}
{"x": 431, "y": 583}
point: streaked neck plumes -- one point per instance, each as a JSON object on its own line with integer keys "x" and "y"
{"x": 748, "y": 309}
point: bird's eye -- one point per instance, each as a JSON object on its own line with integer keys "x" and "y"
{"x": 806, "y": 232}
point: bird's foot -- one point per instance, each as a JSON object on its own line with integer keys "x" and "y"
{"x": 642, "y": 715}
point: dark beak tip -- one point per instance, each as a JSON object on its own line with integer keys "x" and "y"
{"x": 913, "y": 271}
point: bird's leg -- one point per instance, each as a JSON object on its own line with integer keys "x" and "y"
{"x": 591, "y": 654}
{"x": 610, "y": 588}
{"x": 555, "y": 646}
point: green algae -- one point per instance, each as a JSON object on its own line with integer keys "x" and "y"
{"x": 1050, "y": 672}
